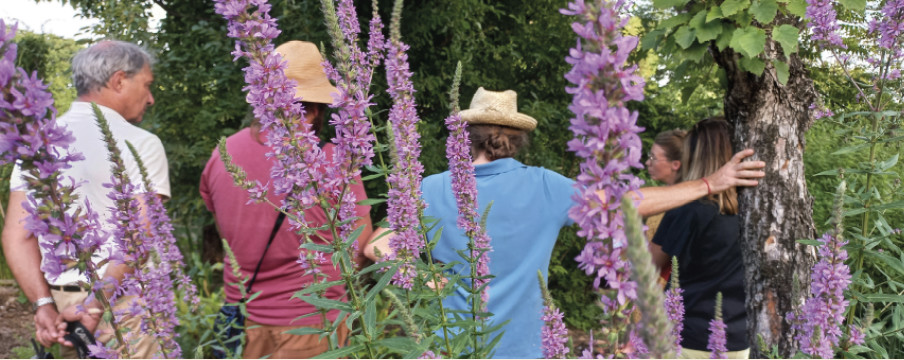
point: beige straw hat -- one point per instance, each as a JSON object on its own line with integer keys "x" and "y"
{"x": 497, "y": 108}
{"x": 305, "y": 67}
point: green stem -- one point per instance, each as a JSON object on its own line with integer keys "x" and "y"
{"x": 444, "y": 321}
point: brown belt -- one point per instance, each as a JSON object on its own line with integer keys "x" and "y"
{"x": 66, "y": 288}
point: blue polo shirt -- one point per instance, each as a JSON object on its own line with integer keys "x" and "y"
{"x": 530, "y": 206}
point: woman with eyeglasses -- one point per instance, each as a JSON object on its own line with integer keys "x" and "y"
{"x": 664, "y": 165}
{"x": 705, "y": 237}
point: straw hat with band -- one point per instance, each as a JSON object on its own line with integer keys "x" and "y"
{"x": 497, "y": 108}
{"x": 304, "y": 65}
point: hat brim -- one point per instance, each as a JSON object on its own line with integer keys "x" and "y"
{"x": 316, "y": 94}
{"x": 490, "y": 117}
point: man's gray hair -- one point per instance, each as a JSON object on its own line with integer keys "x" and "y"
{"x": 92, "y": 67}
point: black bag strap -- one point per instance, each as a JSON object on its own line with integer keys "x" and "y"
{"x": 276, "y": 226}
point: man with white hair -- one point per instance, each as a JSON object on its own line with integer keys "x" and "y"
{"x": 116, "y": 76}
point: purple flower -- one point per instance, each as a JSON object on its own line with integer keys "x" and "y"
{"x": 607, "y": 142}
{"x": 717, "y": 339}
{"x": 674, "y": 306}
{"x": 464, "y": 186}
{"x": 821, "y": 14}
{"x": 404, "y": 203}
{"x": 817, "y": 324}
{"x": 354, "y": 140}
{"x": 69, "y": 237}
{"x": 890, "y": 26}
{"x": 428, "y": 355}
{"x": 554, "y": 334}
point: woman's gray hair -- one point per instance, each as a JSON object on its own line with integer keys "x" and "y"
{"x": 93, "y": 66}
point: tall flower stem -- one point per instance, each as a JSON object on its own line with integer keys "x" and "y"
{"x": 607, "y": 143}
{"x": 656, "y": 331}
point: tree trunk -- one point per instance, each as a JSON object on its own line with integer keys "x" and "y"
{"x": 772, "y": 119}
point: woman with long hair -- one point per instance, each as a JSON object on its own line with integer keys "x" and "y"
{"x": 705, "y": 237}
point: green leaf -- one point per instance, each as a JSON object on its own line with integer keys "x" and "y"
{"x": 810, "y": 242}
{"x": 749, "y": 41}
{"x": 798, "y": 7}
{"x": 687, "y": 92}
{"x": 888, "y": 164}
{"x": 319, "y": 302}
{"x": 714, "y": 13}
{"x": 665, "y": 4}
{"x": 305, "y": 331}
{"x": 370, "y": 317}
{"x": 695, "y": 52}
{"x": 674, "y": 21}
{"x": 726, "y": 36}
{"x": 651, "y": 39}
{"x": 781, "y": 71}
{"x": 372, "y": 201}
{"x": 400, "y": 344}
{"x": 753, "y": 65}
{"x": 709, "y": 31}
{"x": 341, "y": 353}
{"x": 890, "y": 206}
{"x": 850, "y": 149}
{"x": 787, "y": 36}
{"x": 731, "y": 7}
{"x": 698, "y": 20}
{"x": 684, "y": 37}
{"x": 381, "y": 284}
{"x": 764, "y": 10}
{"x": 310, "y": 289}
{"x": 854, "y": 5}
{"x": 882, "y": 298}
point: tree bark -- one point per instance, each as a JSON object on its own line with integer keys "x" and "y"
{"x": 772, "y": 119}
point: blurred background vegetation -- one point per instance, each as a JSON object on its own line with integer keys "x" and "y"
{"x": 506, "y": 44}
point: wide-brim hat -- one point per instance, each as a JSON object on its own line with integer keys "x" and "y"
{"x": 497, "y": 108}
{"x": 305, "y": 66}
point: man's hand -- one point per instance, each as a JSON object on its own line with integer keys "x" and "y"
{"x": 88, "y": 315}
{"x": 737, "y": 172}
{"x": 45, "y": 325}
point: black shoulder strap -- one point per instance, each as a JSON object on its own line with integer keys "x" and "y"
{"x": 279, "y": 221}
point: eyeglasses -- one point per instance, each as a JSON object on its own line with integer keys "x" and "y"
{"x": 652, "y": 158}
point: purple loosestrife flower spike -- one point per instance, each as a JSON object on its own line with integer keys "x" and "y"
{"x": 674, "y": 306}
{"x": 464, "y": 186}
{"x": 821, "y": 14}
{"x": 353, "y": 75}
{"x": 717, "y": 327}
{"x": 69, "y": 235}
{"x": 150, "y": 249}
{"x": 554, "y": 335}
{"x": 890, "y": 26}
{"x": 300, "y": 170}
{"x": 404, "y": 204}
{"x": 818, "y": 322}
{"x": 607, "y": 143}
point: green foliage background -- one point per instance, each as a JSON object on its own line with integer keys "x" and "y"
{"x": 507, "y": 44}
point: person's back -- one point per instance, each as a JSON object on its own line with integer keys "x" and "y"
{"x": 247, "y": 226}
{"x": 529, "y": 207}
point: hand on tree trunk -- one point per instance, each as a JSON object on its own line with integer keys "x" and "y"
{"x": 737, "y": 172}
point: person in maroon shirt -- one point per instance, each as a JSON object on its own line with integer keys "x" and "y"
{"x": 247, "y": 226}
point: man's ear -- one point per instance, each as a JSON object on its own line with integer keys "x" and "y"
{"x": 116, "y": 80}
{"x": 675, "y": 164}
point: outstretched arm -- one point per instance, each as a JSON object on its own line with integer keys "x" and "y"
{"x": 658, "y": 199}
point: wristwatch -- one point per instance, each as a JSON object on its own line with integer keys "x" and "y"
{"x": 42, "y": 301}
